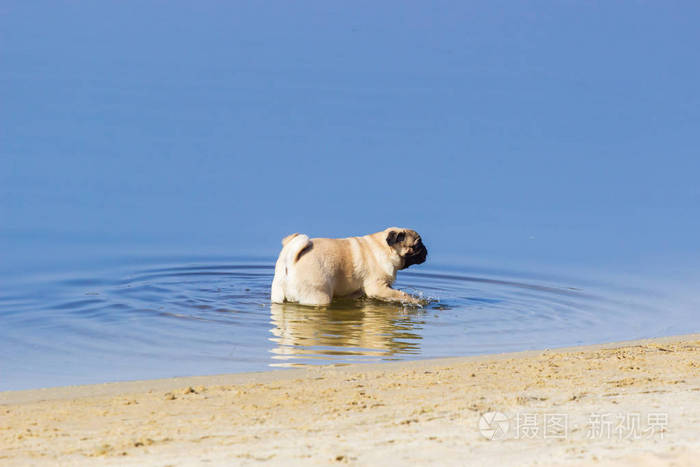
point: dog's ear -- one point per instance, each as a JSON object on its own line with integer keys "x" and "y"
{"x": 394, "y": 237}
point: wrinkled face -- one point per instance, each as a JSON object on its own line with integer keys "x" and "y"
{"x": 408, "y": 245}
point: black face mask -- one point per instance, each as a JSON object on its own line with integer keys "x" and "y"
{"x": 420, "y": 253}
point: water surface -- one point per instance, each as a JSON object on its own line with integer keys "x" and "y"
{"x": 180, "y": 317}
{"x": 153, "y": 156}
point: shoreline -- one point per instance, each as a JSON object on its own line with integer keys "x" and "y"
{"x": 113, "y": 388}
{"x": 414, "y": 411}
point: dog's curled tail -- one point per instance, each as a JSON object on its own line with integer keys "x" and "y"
{"x": 294, "y": 246}
{"x": 289, "y": 238}
{"x": 284, "y": 282}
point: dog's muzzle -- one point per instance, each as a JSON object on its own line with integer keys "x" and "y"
{"x": 420, "y": 253}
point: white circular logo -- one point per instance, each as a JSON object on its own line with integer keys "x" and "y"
{"x": 493, "y": 425}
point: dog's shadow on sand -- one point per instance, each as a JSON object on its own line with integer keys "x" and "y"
{"x": 348, "y": 328}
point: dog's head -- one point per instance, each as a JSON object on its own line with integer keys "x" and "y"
{"x": 408, "y": 245}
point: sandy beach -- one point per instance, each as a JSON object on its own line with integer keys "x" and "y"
{"x": 628, "y": 403}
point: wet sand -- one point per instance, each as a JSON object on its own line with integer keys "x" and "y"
{"x": 629, "y": 403}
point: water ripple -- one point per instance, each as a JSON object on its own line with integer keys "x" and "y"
{"x": 179, "y": 319}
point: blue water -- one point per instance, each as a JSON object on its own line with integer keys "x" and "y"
{"x": 153, "y": 155}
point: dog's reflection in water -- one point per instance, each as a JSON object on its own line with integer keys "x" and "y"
{"x": 345, "y": 331}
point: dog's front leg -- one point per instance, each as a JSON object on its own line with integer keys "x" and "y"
{"x": 385, "y": 292}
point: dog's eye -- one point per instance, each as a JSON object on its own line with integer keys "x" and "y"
{"x": 400, "y": 237}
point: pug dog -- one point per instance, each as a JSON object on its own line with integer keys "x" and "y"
{"x": 311, "y": 271}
